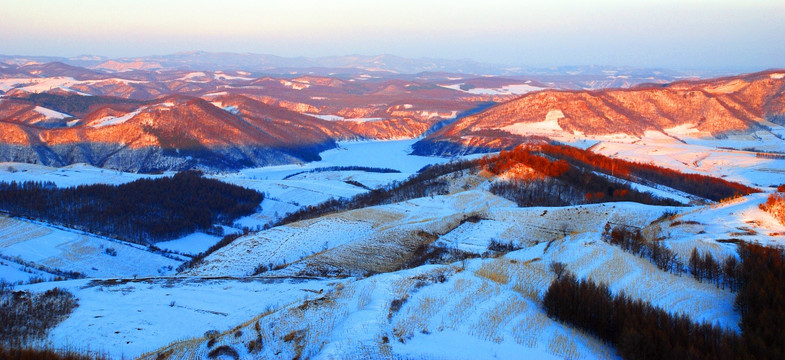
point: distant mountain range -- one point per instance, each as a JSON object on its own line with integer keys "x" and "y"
{"x": 349, "y": 64}
{"x": 161, "y": 113}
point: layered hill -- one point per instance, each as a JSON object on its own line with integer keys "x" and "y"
{"x": 172, "y": 133}
{"x": 747, "y": 109}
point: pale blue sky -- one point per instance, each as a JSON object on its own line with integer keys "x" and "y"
{"x": 677, "y": 34}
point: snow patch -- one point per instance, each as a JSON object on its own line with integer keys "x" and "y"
{"x": 327, "y": 117}
{"x": 51, "y": 114}
{"x": 513, "y": 89}
{"x": 190, "y": 244}
{"x": 777, "y": 76}
{"x": 547, "y": 127}
{"x": 111, "y": 120}
{"x": 294, "y": 85}
{"x": 222, "y": 76}
{"x": 727, "y": 88}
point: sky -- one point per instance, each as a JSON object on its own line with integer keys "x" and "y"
{"x": 718, "y": 34}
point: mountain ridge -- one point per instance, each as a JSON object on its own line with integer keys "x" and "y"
{"x": 707, "y": 109}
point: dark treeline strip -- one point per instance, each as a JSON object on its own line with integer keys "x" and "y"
{"x": 143, "y": 211}
{"x": 700, "y": 185}
{"x": 537, "y": 192}
{"x": 761, "y": 300}
{"x": 640, "y": 331}
{"x": 424, "y": 183}
{"x": 561, "y": 183}
{"x": 725, "y": 273}
{"x": 637, "y": 329}
{"x": 633, "y": 242}
{"x": 345, "y": 168}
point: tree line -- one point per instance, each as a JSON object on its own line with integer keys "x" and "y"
{"x": 639, "y": 330}
{"x": 559, "y": 182}
{"x": 707, "y": 187}
{"x": 425, "y": 183}
{"x": 144, "y": 211}
{"x": 633, "y": 242}
{"x": 775, "y": 204}
{"x": 26, "y": 316}
{"x": 344, "y": 168}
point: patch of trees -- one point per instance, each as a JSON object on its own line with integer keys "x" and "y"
{"x": 721, "y": 273}
{"x": 700, "y": 185}
{"x": 641, "y": 331}
{"x": 637, "y": 329}
{"x": 560, "y": 183}
{"x": 633, "y": 242}
{"x": 425, "y": 183}
{"x": 775, "y": 204}
{"x": 345, "y": 168}
{"x": 26, "y": 316}
{"x": 58, "y": 273}
{"x": 537, "y": 192}
{"x": 703, "y": 267}
{"x": 761, "y": 300}
{"x": 143, "y": 211}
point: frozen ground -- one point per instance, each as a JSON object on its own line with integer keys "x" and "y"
{"x": 71, "y": 175}
{"x": 70, "y": 250}
{"x": 734, "y": 165}
{"x": 125, "y": 317}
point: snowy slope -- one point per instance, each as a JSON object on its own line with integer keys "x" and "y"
{"x": 76, "y": 251}
{"x": 125, "y": 318}
{"x": 735, "y": 165}
{"x": 72, "y": 175}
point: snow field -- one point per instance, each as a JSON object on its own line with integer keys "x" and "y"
{"x": 704, "y": 157}
{"x": 190, "y": 244}
{"x": 72, "y": 175}
{"x": 15, "y": 273}
{"x": 71, "y": 250}
{"x": 126, "y": 318}
{"x": 50, "y": 114}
